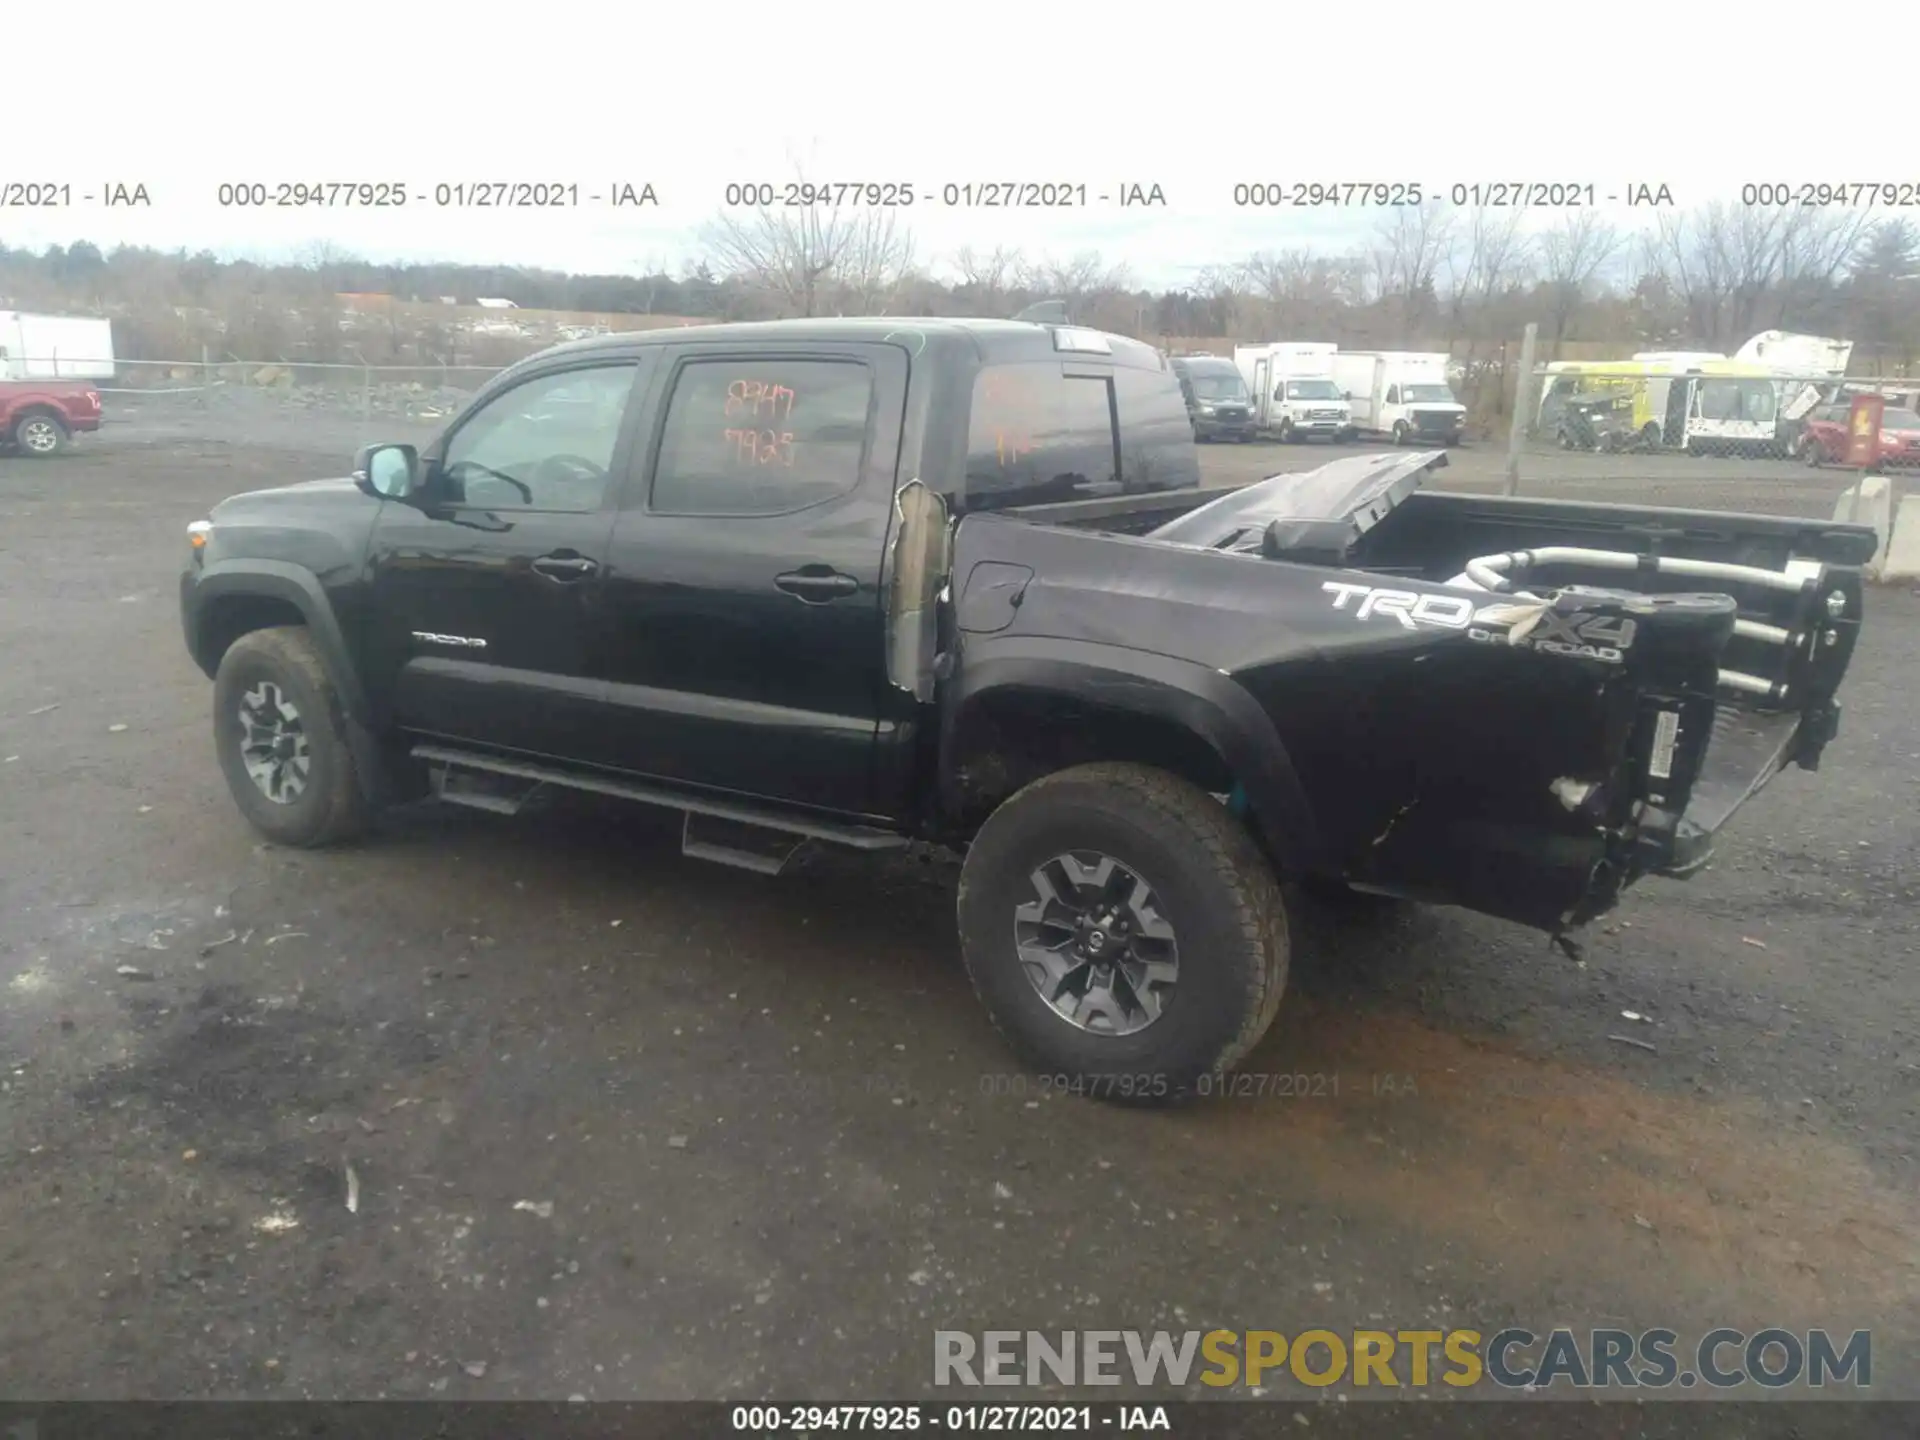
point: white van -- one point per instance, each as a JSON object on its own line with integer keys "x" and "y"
{"x": 1400, "y": 395}
{"x": 1294, "y": 394}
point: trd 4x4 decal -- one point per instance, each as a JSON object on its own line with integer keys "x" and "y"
{"x": 1533, "y": 625}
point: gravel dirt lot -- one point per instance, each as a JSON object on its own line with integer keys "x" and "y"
{"x": 765, "y": 1139}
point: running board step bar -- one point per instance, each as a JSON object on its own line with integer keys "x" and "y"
{"x": 745, "y": 847}
{"x": 727, "y": 831}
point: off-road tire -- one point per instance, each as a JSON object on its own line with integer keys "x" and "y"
{"x": 39, "y": 435}
{"x": 332, "y": 807}
{"x": 1216, "y": 889}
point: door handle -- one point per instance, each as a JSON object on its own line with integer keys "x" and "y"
{"x": 565, "y": 566}
{"x": 817, "y": 584}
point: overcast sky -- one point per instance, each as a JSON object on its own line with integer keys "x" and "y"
{"x": 181, "y": 98}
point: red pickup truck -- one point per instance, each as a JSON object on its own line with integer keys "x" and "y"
{"x": 1825, "y": 439}
{"x": 39, "y": 417}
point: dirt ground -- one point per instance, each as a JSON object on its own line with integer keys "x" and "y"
{"x": 778, "y": 1139}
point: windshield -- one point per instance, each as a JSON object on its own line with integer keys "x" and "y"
{"x": 1428, "y": 394}
{"x": 1312, "y": 390}
{"x": 1218, "y": 387}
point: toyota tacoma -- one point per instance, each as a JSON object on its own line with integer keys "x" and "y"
{"x": 876, "y": 582}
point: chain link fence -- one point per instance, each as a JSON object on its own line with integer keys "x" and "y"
{"x": 297, "y": 405}
{"x": 292, "y": 405}
{"x": 1701, "y": 426}
{"x": 1681, "y": 428}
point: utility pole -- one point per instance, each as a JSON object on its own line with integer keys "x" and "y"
{"x": 1521, "y": 390}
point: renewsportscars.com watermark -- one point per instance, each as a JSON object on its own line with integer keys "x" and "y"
{"x": 1384, "y": 1360}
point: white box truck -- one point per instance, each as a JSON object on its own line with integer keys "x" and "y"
{"x": 1294, "y": 395}
{"x": 1401, "y": 395}
{"x": 55, "y": 347}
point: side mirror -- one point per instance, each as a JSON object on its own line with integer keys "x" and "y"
{"x": 387, "y": 472}
{"x": 1346, "y": 395}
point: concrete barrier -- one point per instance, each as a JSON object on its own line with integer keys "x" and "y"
{"x": 1900, "y": 559}
{"x": 1869, "y": 501}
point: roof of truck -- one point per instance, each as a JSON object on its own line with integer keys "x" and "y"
{"x": 993, "y": 340}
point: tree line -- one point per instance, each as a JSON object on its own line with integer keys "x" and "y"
{"x": 1466, "y": 281}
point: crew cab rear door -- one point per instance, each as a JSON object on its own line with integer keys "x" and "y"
{"x": 745, "y": 638}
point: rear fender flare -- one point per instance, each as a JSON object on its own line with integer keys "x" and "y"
{"x": 1205, "y": 702}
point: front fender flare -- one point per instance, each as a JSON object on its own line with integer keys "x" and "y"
{"x": 277, "y": 580}
{"x": 301, "y": 588}
{"x": 1203, "y": 701}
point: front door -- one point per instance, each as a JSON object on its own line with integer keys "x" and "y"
{"x": 746, "y": 638}
{"x": 483, "y": 591}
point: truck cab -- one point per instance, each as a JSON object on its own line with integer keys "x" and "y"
{"x": 1295, "y": 397}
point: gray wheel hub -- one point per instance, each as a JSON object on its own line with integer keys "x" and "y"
{"x": 273, "y": 743}
{"x": 39, "y": 435}
{"x": 1094, "y": 944}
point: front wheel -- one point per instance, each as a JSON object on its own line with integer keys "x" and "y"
{"x": 39, "y": 435}
{"x": 1124, "y": 932}
{"x": 280, "y": 734}
{"x": 1400, "y": 432}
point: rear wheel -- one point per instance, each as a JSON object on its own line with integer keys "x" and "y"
{"x": 1124, "y": 932}
{"x": 1812, "y": 456}
{"x": 39, "y": 434}
{"x": 280, "y": 734}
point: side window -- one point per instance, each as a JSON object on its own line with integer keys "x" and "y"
{"x": 1039, "y": 434}
{"x": 1718, "y": 400}
{"x": 1393, "y": 395}
{"x": 762, "y": 437}
{"x": 543, "y": 445}
{"x": 1156, "y": 437}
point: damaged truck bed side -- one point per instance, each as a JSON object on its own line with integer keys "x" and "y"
{"x": 1516, "y": 705}
{"x": 866, "y": 582}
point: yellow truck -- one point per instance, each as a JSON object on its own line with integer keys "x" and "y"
{"x": 1692, "y": 404}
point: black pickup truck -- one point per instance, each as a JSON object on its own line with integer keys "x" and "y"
{"x": 870, "y": 582}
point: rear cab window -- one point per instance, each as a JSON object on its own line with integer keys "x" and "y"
{"x": 1046, "y": 431}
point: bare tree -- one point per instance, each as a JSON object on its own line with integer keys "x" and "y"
{"x": 1736, "y": 267}
{"x": 1406, "y": 258}
{"x": 1572, "y": 255}
{"x": 1083, "y": 274}
{"x": 808, "y": 257}
{"x": 988, "y": 276}
{"x": 1302, "y": 289}
{"x": 1493, "y": 258}
{"x": 1096, "y": 293}
{"x": 875, "y": 263}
